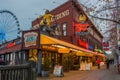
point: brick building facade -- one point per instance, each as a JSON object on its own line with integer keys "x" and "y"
{"x": 67, "y": 16}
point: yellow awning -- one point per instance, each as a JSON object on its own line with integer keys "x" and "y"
{"x": 81, "y": 54}
{"x": 102, "y": 55}
{"x": 84, "y": 54}
{"x": 46, "y": 40}
{"x": 63, "y": 50}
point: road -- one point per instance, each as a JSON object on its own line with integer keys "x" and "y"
{"x": 94, "y": 74}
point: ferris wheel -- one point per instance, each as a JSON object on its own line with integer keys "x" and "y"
{"x": 9, "y": 26}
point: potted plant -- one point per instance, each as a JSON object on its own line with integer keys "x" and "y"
{"x": 46, "y": 67}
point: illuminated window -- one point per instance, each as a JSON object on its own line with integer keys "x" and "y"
{"x": 64, "y": 27}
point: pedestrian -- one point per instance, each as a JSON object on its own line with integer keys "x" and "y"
{"x": 107, "y": 63}
{"x": 98, "y": 63}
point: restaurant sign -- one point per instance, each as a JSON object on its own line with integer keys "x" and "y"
{"x": 30, "y": 39}
{"x": 81, "y": 26}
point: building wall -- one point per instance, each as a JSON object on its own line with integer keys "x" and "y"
{"x": 68, "y": 13}
{"x": 63, "y": 15}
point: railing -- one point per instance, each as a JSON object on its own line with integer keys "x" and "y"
{"x": 17, "y": 72}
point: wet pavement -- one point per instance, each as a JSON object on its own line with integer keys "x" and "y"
{"x": 94, "y": 74}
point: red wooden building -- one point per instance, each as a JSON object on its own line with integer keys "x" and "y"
{"x": 71, "y": 18}
{"x": 77, "y": 35}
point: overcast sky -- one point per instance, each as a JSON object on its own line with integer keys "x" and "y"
{"x": 27, "y": 10}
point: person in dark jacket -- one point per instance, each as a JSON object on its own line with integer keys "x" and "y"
{"x": 107, "y": 63}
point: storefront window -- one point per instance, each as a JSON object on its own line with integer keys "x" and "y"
{"x": 24, "y": 57}
{"x": 12, "y": 58}
{"x": 64, "y": 27}
{"x": 7, "y": 58}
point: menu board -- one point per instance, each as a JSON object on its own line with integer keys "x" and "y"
{"x": 58, "y": 71}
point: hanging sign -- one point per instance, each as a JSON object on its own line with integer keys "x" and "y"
{"x": 30, "y": 39}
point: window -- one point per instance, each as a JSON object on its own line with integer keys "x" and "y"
{"x": 88, "y": 41}
{"x": 64, "y": 27}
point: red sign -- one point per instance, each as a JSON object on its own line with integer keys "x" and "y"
{"x": 81, "y": 27}
{"x": 106, "y": 44}
{"x": 10, "y": 45}
{"x": 82, "y": 43}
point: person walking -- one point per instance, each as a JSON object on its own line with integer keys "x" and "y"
{"x": 98, "y": 63}
{"x": 107, "y": 63}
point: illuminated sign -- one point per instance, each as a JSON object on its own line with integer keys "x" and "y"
{"x": 10, "y": 44}
{"x": 81, "y": 29}
{"x": 63, "y": 50}
{"x": 82, "y": 18}
{"x": 106, "y": 44}
{"x": 90, "y": 47}
{"x": 82, "y": 43}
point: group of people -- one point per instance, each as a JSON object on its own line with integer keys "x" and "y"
{"x": 107, "y": 62}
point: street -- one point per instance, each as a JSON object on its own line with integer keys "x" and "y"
{"x": 94, "y": 74}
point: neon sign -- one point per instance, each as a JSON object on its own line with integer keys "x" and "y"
{"x": 82, "y": 43}
{"x": 10, "y": 44}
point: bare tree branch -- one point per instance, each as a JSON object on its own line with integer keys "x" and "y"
{"x": 108, "y": 8}
{"x": 93, "y": 16}
{"x": 118, "y": 22}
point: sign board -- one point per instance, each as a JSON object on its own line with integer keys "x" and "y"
{"x": 30, "y": 39}
{"x": 63, "y": 50}
{"x": 106, "y": 44}
{"x": 87, "y": 66}
{"x": 58, "y": 71}
{"x": 82, "y": 66}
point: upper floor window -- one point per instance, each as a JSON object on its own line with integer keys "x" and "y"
{"x": 64, "y": 29}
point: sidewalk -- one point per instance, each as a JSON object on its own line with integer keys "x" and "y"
{"x": 67, "y": 74}
{"x": 93, "y": 74}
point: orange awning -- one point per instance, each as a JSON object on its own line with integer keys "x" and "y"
{"x": 102, "y": 55}
{"x": 46, "y": 40}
